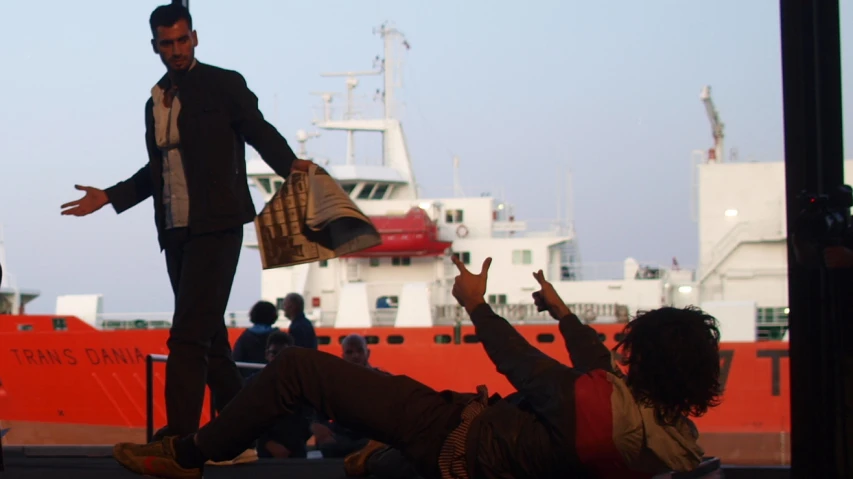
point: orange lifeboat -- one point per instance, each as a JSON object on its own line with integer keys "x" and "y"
{"x": 412, "y": 234}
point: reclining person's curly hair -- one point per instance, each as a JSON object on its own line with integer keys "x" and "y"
{"x": 673, "y": 359}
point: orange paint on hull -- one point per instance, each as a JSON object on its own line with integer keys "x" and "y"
{"x": 88, "y": 377}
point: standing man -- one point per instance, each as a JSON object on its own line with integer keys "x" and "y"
{"x": 197, "y": 122}
{"x": 300, "y": 328}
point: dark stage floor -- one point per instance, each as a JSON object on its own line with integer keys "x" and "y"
{"x": 95, "y": 462}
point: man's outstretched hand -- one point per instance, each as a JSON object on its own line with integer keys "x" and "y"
{"x": 547, "y": 299}
{"x": 92, "y": 201}
{"x": 469, "y": 289}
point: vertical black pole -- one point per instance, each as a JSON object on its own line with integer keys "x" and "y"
{"x": 811, "y": 78}
{"x": 2, "y": 463}
{"x": 149, "y": 398}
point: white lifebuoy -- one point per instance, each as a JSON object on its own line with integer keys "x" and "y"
{"x": 461, "y": 231}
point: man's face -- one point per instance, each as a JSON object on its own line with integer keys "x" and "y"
{"x": 176, "y": 46}
{"x": 356, "y": 353}
{"x": 273, "y": 351}
{"x": 290, "y": 308}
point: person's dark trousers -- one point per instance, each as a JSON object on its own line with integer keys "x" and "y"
{"x": 389, "y": 463}
{"x": 342, "y": 447}
{"x": 395, "y": 410}
{"x": 201, "y": 269}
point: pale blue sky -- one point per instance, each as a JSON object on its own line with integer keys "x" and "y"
{"x": 520, "y": 91}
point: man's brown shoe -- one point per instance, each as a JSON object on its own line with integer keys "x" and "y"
{"x": 355, "y": 465}
{"x": 156, "y": 459}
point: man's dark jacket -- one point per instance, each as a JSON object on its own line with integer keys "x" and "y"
{"x": 530, "y": 433}
{"x": 219, "y": 114}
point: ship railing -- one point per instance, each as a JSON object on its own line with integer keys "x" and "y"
{"x": 612, "y": 271}
{"x": 149, "y": 390}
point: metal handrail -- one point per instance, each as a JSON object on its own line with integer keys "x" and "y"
{"x": 149, "y": 390}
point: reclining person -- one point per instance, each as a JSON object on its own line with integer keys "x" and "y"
{"x": 334, "y": 440}
{"x": 574, "y": 422}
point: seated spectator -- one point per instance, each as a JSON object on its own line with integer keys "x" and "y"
{"x": 333, "y": 439}
{"x": 250, "y": 347}
{"x": 288, "y": 437}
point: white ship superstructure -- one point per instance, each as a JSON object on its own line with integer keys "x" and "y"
{"x": 414, "y": 291}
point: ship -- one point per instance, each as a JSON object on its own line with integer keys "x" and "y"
{"x": 78, "y": 376}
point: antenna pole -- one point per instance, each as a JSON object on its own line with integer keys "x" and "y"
{"x": 390, "y": 64}
{"x": 457, "y": 182}
{"x": 570, "y": 213}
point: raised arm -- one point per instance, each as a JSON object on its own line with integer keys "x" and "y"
{"x": 519, "y": 361}
{"x": 249, "y": 122}
{"x": 586, "y": 351}
{"x": 534, "y": 374}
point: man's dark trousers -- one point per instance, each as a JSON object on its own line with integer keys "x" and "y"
{"x": 201, "y": 269}
{"x": 395, "y": 410}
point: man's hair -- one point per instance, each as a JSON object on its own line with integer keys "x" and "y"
{"x": 168, "y": 15}
{"x": 279, "y": 338}
{"x": 673, "y": 358}
{"x": 354, "y": 337}
{"x": 263, "y": 312}
{"x": 298, "y": 299}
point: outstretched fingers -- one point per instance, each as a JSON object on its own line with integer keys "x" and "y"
{"x": 459, "y": 264}
{"x": 484, "y": 271}
{"x": 539, "y": 276}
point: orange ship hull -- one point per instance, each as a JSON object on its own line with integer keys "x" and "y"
{"x": 87, "y": 386}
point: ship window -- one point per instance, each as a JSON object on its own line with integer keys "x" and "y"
{"x": 324, "y": 340}
{"x": 324, "y": 263}
{"x": 545, "y": 338}
{"x": 470, "y": 339}
{"x": 395, "y": 339}
{"x": 278, "y": 184}
{"x": 59, "y": 324}
{"x": 619, "y": 337}
{"x": 366, "y": 190}
{"x": 279, "y": 304}
{"x": 522, "y": 256}
{"x": 348, "y": 188}
{"x": 25, "y": 327}
{"x": 454, "y": 216}
{"x": 497, "y": 299}
{"x": 265, "y": 184}
{"x": 464, "y": 256}
{"x": 442, "y": 339}
{"x": 602, "y": 337}
{"x": 385, "y": 302}
{"x": 401, "y": 261}
{"x": 379, "y": 192}
{"x": 374, "y": 262}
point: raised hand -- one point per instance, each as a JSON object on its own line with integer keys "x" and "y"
{"x": 547, "y": 299}
{"x": 470, "y": 289}
{"x": 92, "y": 201}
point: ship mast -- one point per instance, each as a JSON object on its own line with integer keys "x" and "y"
{"x": 715, "y": 154}
{"x": 458, "y": 192}
{"x": 390, "y": 64}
